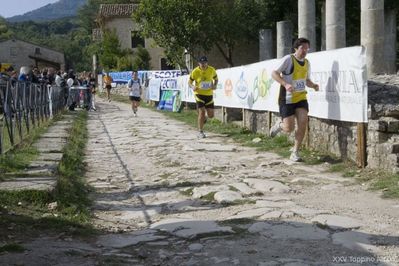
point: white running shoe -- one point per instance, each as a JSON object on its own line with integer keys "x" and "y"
{"x": 275, "y": 129}
{"x": 295, "y": 156}
{"x": 201, "y": 135}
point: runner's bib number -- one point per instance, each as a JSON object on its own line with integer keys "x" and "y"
{"x": 205, "y": 85}
{"x": 299, "y": 85}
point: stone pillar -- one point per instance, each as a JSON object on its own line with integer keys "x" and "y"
{"x": 307, "y": 21}
{"x": 323, "y": 27}
{"x": 390, "y": 41}
{"x": 284, "y": 38}
{"x": 372, "y": 34}
{"x": 335, "y": 24}
{"x": 265, "y": 44}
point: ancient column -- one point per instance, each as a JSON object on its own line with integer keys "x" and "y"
{"x": 372, "y": 34}
{"x": 284, "y": 38}
{"x": 307, "y": 21}
{"x": 265, "y": 44}
{"x": 323, "y": 27}
{"x": 390, "y": 41}
{"x": 335, "y": 24}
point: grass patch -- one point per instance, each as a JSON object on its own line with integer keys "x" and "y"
{"x": 28, "y": 210}
{"x": 388, "y": 183}
{"x": 233, "y": 189}
{"x": 13, "y": 247}
{"x": 19, "y": 157}
{"x": 71, "y": 191}
{"x": 209, "y": 197}
{"x": 187, "y": 192}
{"x": 239, "y": 202}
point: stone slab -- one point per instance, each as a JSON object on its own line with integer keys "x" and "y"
{"x": 244, "y": 188}
{"x": 227, "y": 196}
{"x": 267, "y": 185}
{"x": 128, "y": 239}
{"x": 337, "y": 222}
{"x": 29, "y": 183}
{"x": 50, "y": 156}
{"x": 250, "y": 213}
{"x": 199, "y": 192}
{"x": 289, "y": 231}
{"x": 354, "y": 240}
{"x": 188, "y": 228}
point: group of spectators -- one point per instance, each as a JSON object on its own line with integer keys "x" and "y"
{"x": 50, "y": 76}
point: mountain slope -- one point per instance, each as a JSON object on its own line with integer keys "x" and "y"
{"x": 60, "y": 9}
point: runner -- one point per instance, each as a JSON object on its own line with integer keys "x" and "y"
{"x": 135, "y": 92}
{"x": 203, "y": 81}
{"x": 293, "y": 75}
{"x": 108, "y": 85}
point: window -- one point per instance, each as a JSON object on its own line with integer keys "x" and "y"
{"x": 137, "y": 40}
{"x": 13, "y": 51}
{"x": 37, "y": 50}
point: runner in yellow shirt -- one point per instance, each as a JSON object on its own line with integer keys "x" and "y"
{"x": 203, "y": 81}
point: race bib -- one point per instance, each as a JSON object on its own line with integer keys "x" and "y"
{"x": 205, "y": 85}
{"x": 299, "y": 85}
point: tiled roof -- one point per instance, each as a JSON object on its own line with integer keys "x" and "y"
{"x": 116, "y": 10}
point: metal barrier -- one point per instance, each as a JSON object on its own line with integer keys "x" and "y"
{"x": 24, "y": 106}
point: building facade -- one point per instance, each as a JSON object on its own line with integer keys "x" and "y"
{"x": 21, "y": 53}
{"x": 118, "y": 17}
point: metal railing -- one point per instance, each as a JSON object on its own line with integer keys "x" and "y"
{"x": 24, "y": 106}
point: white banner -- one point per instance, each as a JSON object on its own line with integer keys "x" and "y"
{"x": 154, "y": 89}
{"x": 169, "y": 84}
{"x": 341, "y": 75}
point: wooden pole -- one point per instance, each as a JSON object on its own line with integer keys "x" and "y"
{"x": 243, "y": 117}
{"x": 269, "y": 121}
{"x": 361, "y": 145}
{"x": 223, "y": 114}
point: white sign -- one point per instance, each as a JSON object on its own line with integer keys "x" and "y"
{"x": 154, "y": 89}
{"x": 341, "y": 75}
{"x": 169, "y": 84}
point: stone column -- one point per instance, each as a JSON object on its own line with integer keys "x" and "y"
{"x": 390, "y": 41}
{"x": 372, "y": 34}
{"x": 323, "y": 27}
{"x": 307, "y": 21}
{"x": 284, "y": 38}
{"x": 335, "y": 24}
{"x": 265, "y": 44}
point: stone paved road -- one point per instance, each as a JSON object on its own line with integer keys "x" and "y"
{"x": 167, "y": 198}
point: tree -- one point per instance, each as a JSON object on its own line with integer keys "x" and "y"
{"x": 5, "y": 32}
{"x": 198, "y": 26}
{"x": 176, "y": 25}
{"x": 111, "y": 50}
{"x": 142, "y": 59}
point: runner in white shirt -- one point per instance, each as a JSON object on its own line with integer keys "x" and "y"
{"x": 135, "y": 92}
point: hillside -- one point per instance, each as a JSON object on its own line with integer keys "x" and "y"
{"x": 60, "y": 9}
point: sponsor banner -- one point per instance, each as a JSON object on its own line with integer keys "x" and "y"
{"x": 169, "y": 84}
{"x": 154, "y": 89}
{"x": 170, "y": 101}
{"x": 165, "y": 74}
{"x": 341, "y": 75}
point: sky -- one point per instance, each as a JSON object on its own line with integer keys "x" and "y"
{"x": 9, "y": 8}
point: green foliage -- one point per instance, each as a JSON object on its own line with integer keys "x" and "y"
{"x": 141, "y": 59}
{"x": 5, "y": 32}
{"x": 13, "y": 247}
{"x": 111, "y": 51}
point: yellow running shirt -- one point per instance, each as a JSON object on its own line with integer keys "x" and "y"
{"x": 203, "y": 80}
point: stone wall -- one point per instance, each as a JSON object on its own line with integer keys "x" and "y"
{"x": 340, "y": 138}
